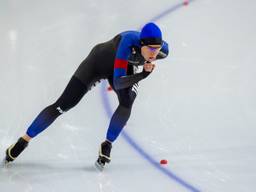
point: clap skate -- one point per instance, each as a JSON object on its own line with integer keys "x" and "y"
{"x": 104, "y": 155}
{"x": 15, "y": 150}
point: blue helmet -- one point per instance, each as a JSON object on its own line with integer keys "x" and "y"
{"x": 151, "y": 34}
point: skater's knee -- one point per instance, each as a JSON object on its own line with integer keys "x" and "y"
{"x": 55, "y": 109}
{"x": 127, "y": 102}
{"x": 62, "y": 105}
{"x": 126, "y": 99}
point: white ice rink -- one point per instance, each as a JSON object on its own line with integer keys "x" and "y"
{"x": 197, "y": 109}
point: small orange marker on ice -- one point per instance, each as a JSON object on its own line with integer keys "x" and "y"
{"x": 163, "y": 162}
{"x": 185, "y": 2}
{"x": 110, "y": 88}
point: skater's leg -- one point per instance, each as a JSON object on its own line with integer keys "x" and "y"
{"x": 118, "y": 121}
{"x": 70, "y": 97}
{"x": 120, "y": 117}
{"x": 122, "y": 114}
{"x": 73, "y": 93}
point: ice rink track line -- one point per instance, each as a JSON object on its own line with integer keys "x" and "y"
{"x": 128, "y": 139}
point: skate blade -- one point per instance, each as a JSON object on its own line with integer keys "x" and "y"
{"x": 4, "y": 163}
{"x": 99, "y": 166}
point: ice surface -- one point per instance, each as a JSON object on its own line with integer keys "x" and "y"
{"x": 197, "y": 110}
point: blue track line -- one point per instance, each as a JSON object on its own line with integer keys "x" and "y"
{"x": 128, "y": 139}
{"x": 169, "y": 11}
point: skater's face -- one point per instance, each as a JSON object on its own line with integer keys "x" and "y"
{"x": 149, "y": 52}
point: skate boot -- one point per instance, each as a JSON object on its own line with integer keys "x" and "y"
{"x": 104, "y": 155}
{"x": 15, "y": 150}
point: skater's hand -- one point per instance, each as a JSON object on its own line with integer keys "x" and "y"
{"x": 148, "y": 67}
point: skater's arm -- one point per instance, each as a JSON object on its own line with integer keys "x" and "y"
{"x": 127, "y": 81}
{"x": 121, "y": 80}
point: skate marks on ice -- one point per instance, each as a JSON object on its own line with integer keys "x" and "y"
{"x": 99, "y": 166}
{"x": 4, "y": 163}
{"x": 15, "y": 171}
{"x": 28, "y": 174}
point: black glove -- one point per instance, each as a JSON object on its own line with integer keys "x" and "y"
{"x": 145, "y": 73}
